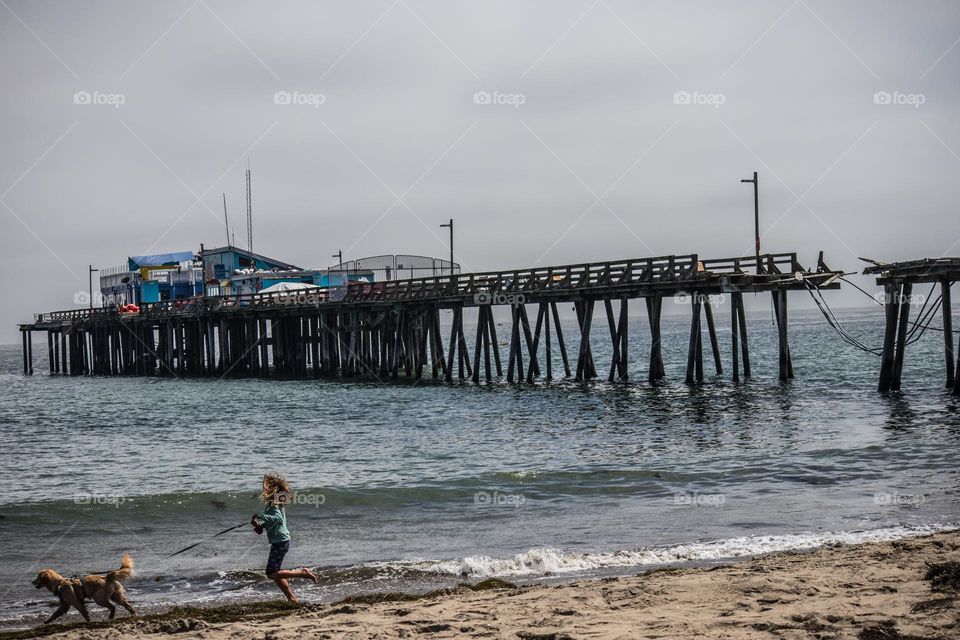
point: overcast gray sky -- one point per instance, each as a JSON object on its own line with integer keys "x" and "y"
{"x": 613, "y": 129}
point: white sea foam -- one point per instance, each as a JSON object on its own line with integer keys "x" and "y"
{"x": 547, "y": 561}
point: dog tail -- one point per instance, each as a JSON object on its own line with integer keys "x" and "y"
{"x": 121, "y": 574}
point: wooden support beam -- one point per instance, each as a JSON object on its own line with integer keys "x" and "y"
{"x": 481, "y": 342}
{"x": 464, "y": 365}
{"x": 452, "y": 346}
{"x": 534, "y": 369}
{"x": 438, "y": 340}
{"x": 656, "y": 370}
{"x": 891, "y": 313}
{"x": 560, "y": 341}
{"x": 783, "y": 349}
{"x": 947, "y": 332}
{"x": 735, "y": 336}
{"x": 693, "y": 347}
{"x": 744, "y": 344}
{"x": 699, "y": 359}
{"x": 515, "y": 359}
{"x": 315, "y": 338}
{"x": 548, "y": 349}
{"x": 490, "y": 344}
{"x": 26, "y": 355}
{"x": 904, "y": 320}
{"x": 533, "y": 364}
{"x": 786, "y": 333}
{"x": 398, "y": 355}
{"x": 494, "y": 342}
{"x": 178, "y": 336}
{"x": 614, "y": 339}
{"x": 624, "y": 329}
{"x": 585, "y": 368}
{"x": 712, "y": 329}
{"x": 956, "y": 374}
{"x": 264, "y": 346}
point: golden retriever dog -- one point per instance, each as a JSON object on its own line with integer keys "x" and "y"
{"x": 105, "y": 590}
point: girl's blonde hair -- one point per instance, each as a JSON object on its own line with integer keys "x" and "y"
{"x": 276, "y": 490}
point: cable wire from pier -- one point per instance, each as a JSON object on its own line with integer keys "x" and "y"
{"x": 861, "y": 290}
{"x": 918, "y": 326}
{"x": 834, "y": 322}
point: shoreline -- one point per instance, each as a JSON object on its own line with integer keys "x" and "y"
{"x": 873, "y": 591}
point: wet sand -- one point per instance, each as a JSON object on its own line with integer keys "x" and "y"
{"x": 874, "y": 591}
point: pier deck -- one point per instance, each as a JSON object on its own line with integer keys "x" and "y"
{"x": 385, "y": 329}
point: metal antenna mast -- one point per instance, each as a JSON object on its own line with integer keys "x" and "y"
{"x": 249, "y": 213}
{"x": 226, "y": 221}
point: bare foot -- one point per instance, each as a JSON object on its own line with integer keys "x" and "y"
{"x": 311, "y": 575}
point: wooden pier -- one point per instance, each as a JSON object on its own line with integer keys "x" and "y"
{"x": 392, "y": 329}
{"x": 898, "y": 280}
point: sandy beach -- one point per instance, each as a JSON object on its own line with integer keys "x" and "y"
{"x": 875, "y": 591}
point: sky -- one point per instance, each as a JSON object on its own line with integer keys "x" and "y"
{"x": 552, "y": 132}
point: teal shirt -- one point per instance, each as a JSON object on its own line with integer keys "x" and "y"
{"x": 274, "y": 520}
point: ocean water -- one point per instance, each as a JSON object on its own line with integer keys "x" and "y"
{"x": 414, "y": 486}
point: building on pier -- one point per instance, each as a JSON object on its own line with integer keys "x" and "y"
{"x": 152, "y": 278}
{"x": 234, "y": 272}
{"x": 231, "y": 271}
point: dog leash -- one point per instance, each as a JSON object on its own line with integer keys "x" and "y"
{"x": 197, "y": 544}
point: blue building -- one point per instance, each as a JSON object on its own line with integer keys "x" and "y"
{"x": 234, "y": 271}
{"x": 152, "y": 278}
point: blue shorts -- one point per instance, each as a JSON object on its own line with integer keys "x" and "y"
{"x": 277, "y": 551}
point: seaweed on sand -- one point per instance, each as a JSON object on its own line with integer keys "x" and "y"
{"x": 396, "y": 596}
{"x": 943, "y": 576}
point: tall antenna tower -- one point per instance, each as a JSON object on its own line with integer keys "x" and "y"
{"x": 249, "y": 213}
{"x": 226, "y": 220}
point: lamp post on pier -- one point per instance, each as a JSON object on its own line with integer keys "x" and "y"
{"x": 90, "y": 271}
{"x": 450, "y": 225}
{"x": 339, "y": 256}
{"x": 756, "y": 216}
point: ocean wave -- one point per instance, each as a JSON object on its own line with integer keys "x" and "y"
{"x": 550, "y": 561}
{"x": 656, "y": 480}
